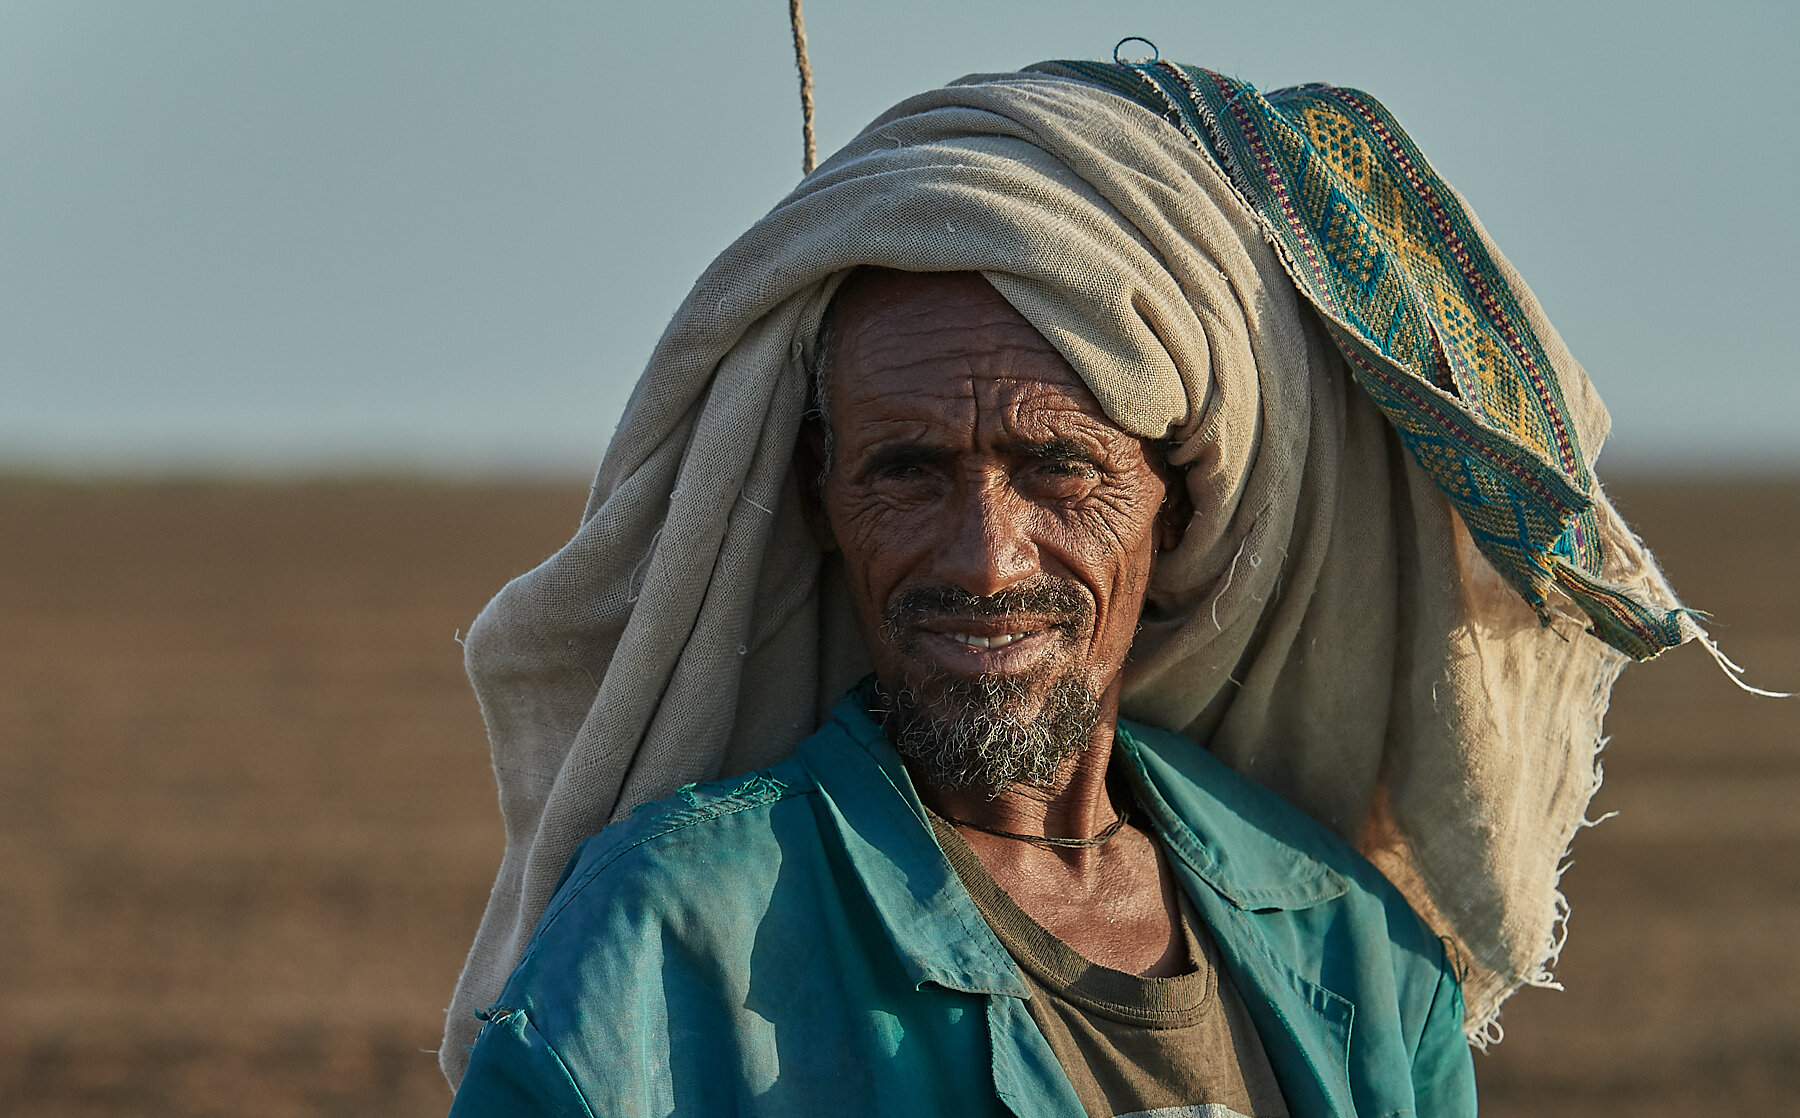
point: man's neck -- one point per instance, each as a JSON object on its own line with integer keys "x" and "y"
{"x": 1075, "y": 804}
{"x": 1113, "y": 902}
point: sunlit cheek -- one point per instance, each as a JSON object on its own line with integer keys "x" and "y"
{"x": 1116, "y": 559}
{"x": 1105, "y": 534}
{"x": 1124, "y": 602}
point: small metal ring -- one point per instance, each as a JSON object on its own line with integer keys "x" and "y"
{"x": 1155, "y": 55}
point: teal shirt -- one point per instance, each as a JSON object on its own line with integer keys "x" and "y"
{"x": 795, "y": 943}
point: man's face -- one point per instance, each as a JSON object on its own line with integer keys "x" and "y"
{"x": 997, "y": 529}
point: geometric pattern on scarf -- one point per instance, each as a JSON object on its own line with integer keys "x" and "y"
{"x": 1388, "y": 255}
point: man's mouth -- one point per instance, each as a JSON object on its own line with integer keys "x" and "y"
{"x": 1005, "y": 632}
{"x": 993, "y": 632}
{"x": 995, "y": 641}
{"x": 974, "y": 641}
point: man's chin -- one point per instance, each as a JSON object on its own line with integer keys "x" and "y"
{"x": 989, "y": 731}
{"x": 1020, "y": 698}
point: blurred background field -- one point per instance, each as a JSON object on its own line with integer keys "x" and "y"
{"x": 247, "y": 821}
{"x": 246, "y": 818}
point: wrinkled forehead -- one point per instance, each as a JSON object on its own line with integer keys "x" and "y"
{"x": 890, "y": 333}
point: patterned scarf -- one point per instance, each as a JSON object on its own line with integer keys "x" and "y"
{"x": 1388, "y": 254}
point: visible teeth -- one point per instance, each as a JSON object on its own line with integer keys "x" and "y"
{"x": 1000, "y": 641}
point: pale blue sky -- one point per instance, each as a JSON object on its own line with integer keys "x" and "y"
{"x": 274, "y": 238}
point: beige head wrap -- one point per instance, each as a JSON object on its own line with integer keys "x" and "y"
{"x": 1325, "y": 625}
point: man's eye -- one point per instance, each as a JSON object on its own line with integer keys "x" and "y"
{"x": 1069, "y": 467}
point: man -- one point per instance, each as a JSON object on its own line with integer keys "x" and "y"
{"x": 1085, "y": 443}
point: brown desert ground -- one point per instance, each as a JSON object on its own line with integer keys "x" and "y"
{"x": 247, "y": 823}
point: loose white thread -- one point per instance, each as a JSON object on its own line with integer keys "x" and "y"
{"x": 1735, "y": 673}
{"x": 1229, "y": 575}
{"x": 636, "y": 585}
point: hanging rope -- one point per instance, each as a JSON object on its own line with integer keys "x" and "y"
{"x": 811, "y": 158}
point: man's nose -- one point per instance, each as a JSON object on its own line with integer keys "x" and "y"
{"x": 987, "y": 544}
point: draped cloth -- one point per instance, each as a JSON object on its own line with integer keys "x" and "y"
{"x": 1348, "y": 618}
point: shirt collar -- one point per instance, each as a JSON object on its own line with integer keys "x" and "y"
{"x": 1251, "y": 846}
{"x": 1241, "y": 839}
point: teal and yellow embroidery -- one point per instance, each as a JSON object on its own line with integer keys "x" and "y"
{"x": 1388, "y": 255}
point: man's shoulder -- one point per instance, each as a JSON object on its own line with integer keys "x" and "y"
{"x": 698, "y": 811}
{"x": 698, "y": 838}
{"x": 718, "y": 846}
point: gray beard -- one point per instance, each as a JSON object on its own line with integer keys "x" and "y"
{"x": 977, "y": 735}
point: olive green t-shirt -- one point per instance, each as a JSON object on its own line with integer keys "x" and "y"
{"x": 1180, "y": 1047}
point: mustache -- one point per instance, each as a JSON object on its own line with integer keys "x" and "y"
{"x": 1059, "y": 600}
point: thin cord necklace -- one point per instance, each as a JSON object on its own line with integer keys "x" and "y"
{"x": 1044, "y": 840}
